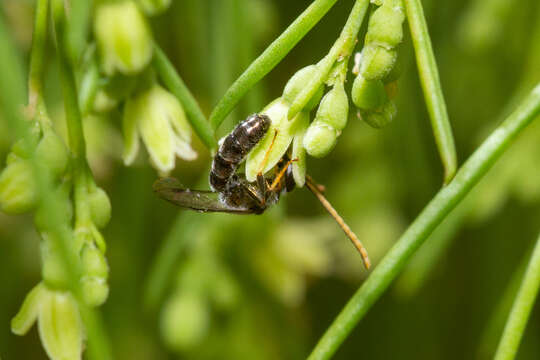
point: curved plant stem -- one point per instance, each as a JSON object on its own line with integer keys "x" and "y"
{"x": 521, "y": 309}
{"x": 175, "y": 84}
{"x": 341, "y": 49}
{"x": 432, "y": 215}
{"x": 431, "y": 84}
{"x": 37, "y": 57}
{"x": 269, "y": 58}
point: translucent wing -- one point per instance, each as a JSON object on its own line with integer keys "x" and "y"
{"x": 171, "y": 190}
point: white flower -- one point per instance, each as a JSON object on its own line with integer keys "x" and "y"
{"x": 157, "y": 116}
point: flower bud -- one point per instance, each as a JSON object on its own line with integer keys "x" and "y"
{"x": 95, "y": 290}
{"x": 100, "y": 207}
{"x": 18, "y": 193}
{"x": 93, "y": 261}
{"x": 123, "y": 37}
{"x": 52, "y": 153}
{"x": 160, "y": 120}
{"x": 65, "y": 207}
{"x": 60, "y": 326}
{"x": 154, "y": 7}
{"x": 24, "y": 149}
{"x": 385, "y": 26}
{"x": 380, "y": 117}
{"x": 377, "y": 62}
{"x": 334, "y": 108}
{"x": 320, "y": 139}
{"x": 368, "y": 94}
{"x": 277, "y": 112}
{"x": 184, "y": 321}
{"x": 297, "y": 82}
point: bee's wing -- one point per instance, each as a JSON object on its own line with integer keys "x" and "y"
{"x": 171, "y": 190}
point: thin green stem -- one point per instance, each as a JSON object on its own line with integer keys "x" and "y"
{"x": 273, "y": 54}
{"x": 175, "y": 84}
{"x": 340, "y": 51}
{"x": 77, "y": 28}
{"x": 431, "y": 84}
{"x": 37, "y": 57}
{"x": 98, "y": 347}
{"x": 432, "y": 215}
{"x": 521, "y": 309}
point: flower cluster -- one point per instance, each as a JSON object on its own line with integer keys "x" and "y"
{"x": 371, "y": 92}
{"x": 376, "y": 66}
{"x": 125, "y": 50}
{"x": 50, "y": 302}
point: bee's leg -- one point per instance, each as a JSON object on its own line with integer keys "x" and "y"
{"x": 280, "y": 175}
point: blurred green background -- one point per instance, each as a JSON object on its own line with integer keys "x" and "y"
{"x": 266, "y": 287}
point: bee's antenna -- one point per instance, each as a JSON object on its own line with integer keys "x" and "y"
{"x": 315, "y": 189}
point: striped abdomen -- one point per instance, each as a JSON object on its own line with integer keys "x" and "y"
{"x": 235, "y": 147}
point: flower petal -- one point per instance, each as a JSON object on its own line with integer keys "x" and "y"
{"x": 277, "y": 111}
{"x": 60, "y": 326}
{"x": 130, "y": 131}
{"x": 28, "y": 312}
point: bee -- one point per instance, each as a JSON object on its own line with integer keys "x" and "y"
{"x": 232, "y": 193}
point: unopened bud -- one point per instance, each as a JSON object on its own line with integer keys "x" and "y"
{"x": 154, "y": 7}
{"x": 377, "y": 61}
{"x": 297, "y": 82}
{"x": 380, "y": 117}
{"x": 334, "y": 108}
{"x": 18, "y": 193}
{"x": 368, "y": 94}
{"x": 123, "y": 37}
{"x": 52, "y": 153}
{"x": 320, "y": 139}
{"x": 100, "y": 207}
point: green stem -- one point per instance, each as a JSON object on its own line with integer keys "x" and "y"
{"x": 37, "y": 55}
{"x": 521, "y": 309}
{"x": 269, "y": 58}
{"x": 175, "y": 84}
{"x": 341, "y": 49}
{"x": 431, "y": 84}
{"x": 98, "y": 347}
{"x": 432, "y": 215}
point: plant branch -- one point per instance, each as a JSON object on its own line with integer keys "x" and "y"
{"x": 432, "y": 215}
{"x": 341, "y": 50}
{"x": 521, "y": 309}
{"x": 431, "y": 84}
{"x": 178, "y": 88}
{"x": 273, "y": 54}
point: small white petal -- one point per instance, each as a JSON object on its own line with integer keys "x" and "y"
{"x": 130, "y": 131}
{"x": 27, "y": 315}
{"x": 184, "y": 150}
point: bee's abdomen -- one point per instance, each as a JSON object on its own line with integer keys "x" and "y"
{"x": 235, "y": 147}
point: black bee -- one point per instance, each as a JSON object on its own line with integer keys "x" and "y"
{"x": 232, "y": 193}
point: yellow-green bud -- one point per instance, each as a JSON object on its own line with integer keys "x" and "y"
{"x": 93, "y": 261}
{"x": 385, "y": 26}
{"x": 334, "y": 108}
{"x": 184, "y": 321}
{"x": 95, "y": 290}
{"x": 54, "y": 273}
{"x": 52, "y": 153}
{"x": 154, "y": 7}
{"x": 123, "y": 37}
{"x": 18, "y": 193}
{"x": 297, "y": 82}
{"x": 65, "y": 207}
{"x": 320, "y": 139}
{"x": 380, "y": 117}
{"x": 368, "y": 94}
{"x": 377, "y": 61}
{"x": 100, "y": 207}
{"x": 299, "y": 153}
